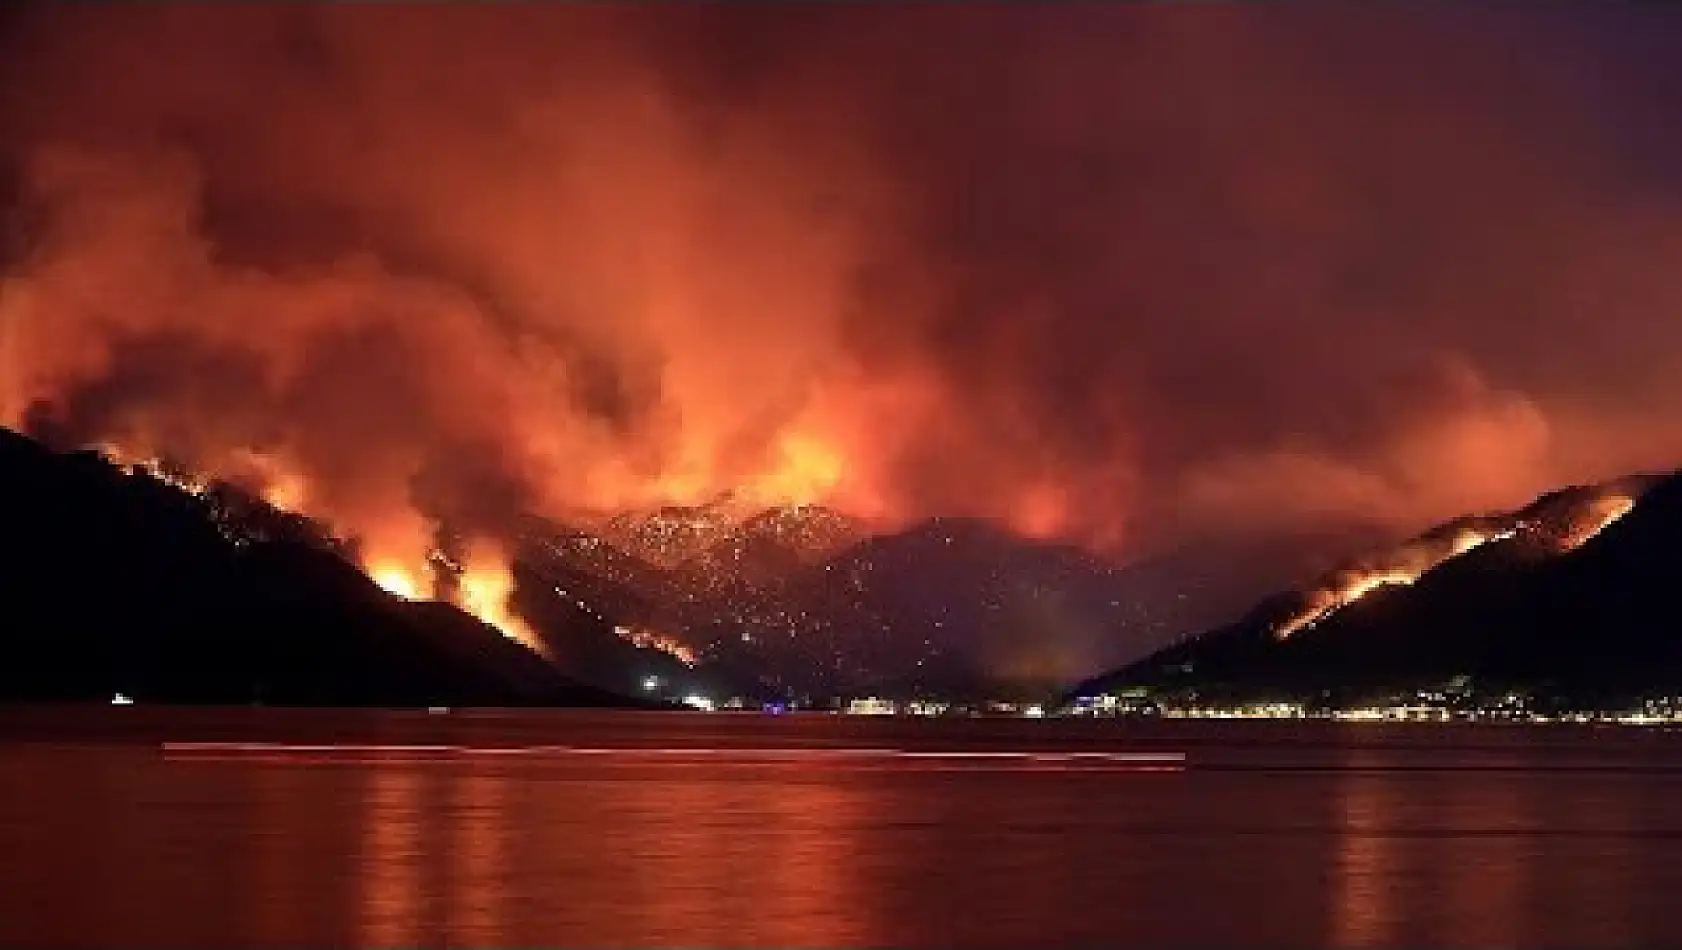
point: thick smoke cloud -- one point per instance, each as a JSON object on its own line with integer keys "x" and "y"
{"x": 1121, "y": 274}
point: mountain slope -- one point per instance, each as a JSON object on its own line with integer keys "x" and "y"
{"x": 669, "y": 535}
{"x": 112, "y": 582}
{"x": 957, "y": 607}
{"x": 1576, "y": 593}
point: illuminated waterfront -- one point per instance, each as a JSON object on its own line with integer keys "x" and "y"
{"x": 1424, "y": 706}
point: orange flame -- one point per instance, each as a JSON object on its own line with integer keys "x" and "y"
{"x": 652, "y": 640}
{"x": 1401, "y": 568}
{"x": 807, "y": 470}
{"x": 395, "y": 580}
{"x": 487, "y": 583}
{"x": 1595, "y": 518}
{"x": 1408, "y": 563}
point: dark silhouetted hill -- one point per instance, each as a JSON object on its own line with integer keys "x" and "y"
{"x": 1578, "y": 595}
{"x": 961, "y": 608}
{"x": 116, "y": 582}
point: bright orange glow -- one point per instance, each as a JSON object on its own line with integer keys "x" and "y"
{"x": 279, "y": 485}
{"x": 1595, "y": 518}
{"x": 396, "y": 580}
{"x": 653, "y": 640}
{"x": 782, "y": 299}
{"x": 486, "y": 586}
{"x": 286, "y": 495}
{"x": 1042, "y": 513}
{"x": 1399, "y": 568}
{"x": 1568, "y": 526}
{"x": 807, "y": 470}
{"x": 486, "y": 582}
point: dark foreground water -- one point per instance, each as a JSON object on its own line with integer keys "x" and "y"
{"x": 132, "y": 827}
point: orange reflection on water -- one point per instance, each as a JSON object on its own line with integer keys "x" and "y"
{"x": 391, "y": 856}
{"x": 279, "y": 851}
{"x": 1365, "y": 907}
{"x": 783, "y": 894}
{"x": 1433, "y": 858}
{"x": 708, "y": 859}
{"x": 1618, "y": 883}
{"x": 1486, "y": 897}
{"x": 479, "y": 839}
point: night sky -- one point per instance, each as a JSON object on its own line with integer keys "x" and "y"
{"x": 1116, "y": 273}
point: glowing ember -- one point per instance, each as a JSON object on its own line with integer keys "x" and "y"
{"x": 153, "y": 468}
{"x": 1595, "y": 518}
{"x": 651, "y": 640}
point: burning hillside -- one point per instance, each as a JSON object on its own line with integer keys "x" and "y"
{"x": 130, "y": 578}
{"x": 1571, "y": 599}
{"x": 653, "y": 255}
{"x": 1556, "y": 524}
{"x": 669, "y": 535}
{"x": 480, "y": 583}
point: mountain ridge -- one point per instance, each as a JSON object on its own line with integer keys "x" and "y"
{"x": 1514, "y": 597}
{"x": 799, "y": 601}
{"x": 124, "y": 583}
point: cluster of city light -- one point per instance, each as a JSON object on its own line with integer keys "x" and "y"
{"x": 877, "y": 706}
{"x": 1424, "y": 706}
{"x": 656, "y": 686}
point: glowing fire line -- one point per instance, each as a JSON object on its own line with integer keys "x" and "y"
{"x": 1406, "y": 566}
{"x": 486, "y": 584}
{"x": 484, "y": 589}
{"x": 652, "y": 640}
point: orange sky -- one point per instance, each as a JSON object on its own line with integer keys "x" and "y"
{"x": 1118, "y": 273}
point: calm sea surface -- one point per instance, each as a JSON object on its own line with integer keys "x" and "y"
{"x": 133, "y": 827}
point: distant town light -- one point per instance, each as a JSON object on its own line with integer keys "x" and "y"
{"x": 698, "y": 702}
{"x": 650, "y": 683}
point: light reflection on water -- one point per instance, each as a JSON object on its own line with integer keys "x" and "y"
{"x": 1366, "y": 868}
{"x": 480, "y": 845}
{"x": 1263, "y": 844}
{"x": 391, "y": 857}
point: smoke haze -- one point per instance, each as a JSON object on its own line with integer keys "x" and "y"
{"x": 1122, "y": 274}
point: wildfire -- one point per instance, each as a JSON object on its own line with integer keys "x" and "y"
{"x": 282, "y": 487}
{"x": 1594, "y": 518}
{"x": 485, "y": 588}
{"x": 807, "y": 470}
{"x": 1401, "y": 568}
{"x": 1561, "y": 530}
{"x": 652, "y": 640}
{"x": 482, "y": 589}
{"x": 395, "y": 580}
{"x": 1041, "y": 512}
{"x": 153, "y": 468}
{"x": 485, "y": 584}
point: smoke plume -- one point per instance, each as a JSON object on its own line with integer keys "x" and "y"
{"x": 1119, "y": 274}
